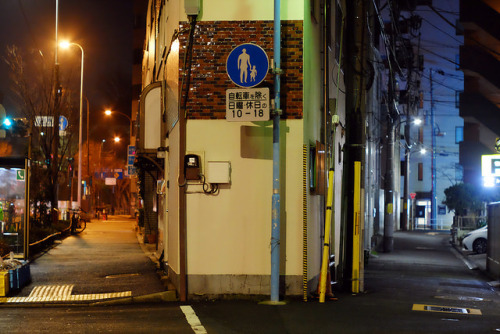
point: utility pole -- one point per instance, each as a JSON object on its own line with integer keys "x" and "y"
{"x": 392, "y": 120}
{"x": 406, "y": 181}
{"x": 389, "y": 175}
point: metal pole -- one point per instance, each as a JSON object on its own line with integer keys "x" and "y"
{"x": 406, "y": 181}
{"x": 275, "y": 235}
{"x": 57, "y": 42}
{"x": 79, "y": 197}
{"x": 55, "y": 142}
{"x": 433, "y": 161}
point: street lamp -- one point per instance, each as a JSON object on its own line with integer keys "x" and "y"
{"x": 108, "y": 112}
{"x": 405, "y": 221}
{"x": 66, "y": 45}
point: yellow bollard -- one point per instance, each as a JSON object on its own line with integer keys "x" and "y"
{"x": 326, "y": 246}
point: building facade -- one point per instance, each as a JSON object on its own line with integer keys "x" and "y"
{"x": 207, "y": 180}
{"x": 479, "y": 101}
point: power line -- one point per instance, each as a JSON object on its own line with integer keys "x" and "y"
{"x": 440, "y": 56}
{"x": 441, "y": 30}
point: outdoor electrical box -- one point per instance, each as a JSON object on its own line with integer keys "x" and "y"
{"x": 192, "y": 167}
{"x": 192, "y": 7}
{"x": 218, "y": 172}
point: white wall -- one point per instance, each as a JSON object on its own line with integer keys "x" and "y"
{"x": 230, "y": 233}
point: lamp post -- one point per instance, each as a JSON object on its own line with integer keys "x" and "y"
{"x": 109, "y": 112}
{"x": 405, "y": 223}
{"x": 79, "y": 197}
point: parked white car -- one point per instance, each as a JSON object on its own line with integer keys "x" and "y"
{"x": 476, "y": 240}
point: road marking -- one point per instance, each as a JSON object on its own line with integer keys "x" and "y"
{"x": 62, "y": 293}
{"x": 464, "y": 298}
{"x": 193, "y": 319}
{"x": 469, "y": 264}
{"x": 446, "y": 309}
{"x": 122, "y": 275}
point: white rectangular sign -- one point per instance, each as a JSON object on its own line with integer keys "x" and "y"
{"x": 44, "y": 121}
{"x": 247, "y": 104}
{"x": 490, "y": 168}
{"x": 110, "y": 181}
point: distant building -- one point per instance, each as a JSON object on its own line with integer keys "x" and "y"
{"x": 479, "y": 61}
{"x": 441, "y": 131}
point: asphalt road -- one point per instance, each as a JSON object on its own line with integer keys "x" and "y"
{"x": 423, "y": 286}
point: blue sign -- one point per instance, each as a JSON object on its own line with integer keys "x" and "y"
{"x": 131, "y": 150}
{"x": 63, "y": 123}
{"x": 131, "y": 159}
{"x": 132, "y": 170}
{"x": 247, "y": 65}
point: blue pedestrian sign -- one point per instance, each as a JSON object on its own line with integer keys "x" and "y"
{"x": 247, "y": 65}
{"x": 63, "y": 123}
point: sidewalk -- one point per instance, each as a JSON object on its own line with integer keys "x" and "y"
{"x": 106, "y": 261}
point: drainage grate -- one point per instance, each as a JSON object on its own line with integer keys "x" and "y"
{"x": 446, "y": 309}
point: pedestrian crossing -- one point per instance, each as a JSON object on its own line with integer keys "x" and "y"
{"x": 62, "y": 293}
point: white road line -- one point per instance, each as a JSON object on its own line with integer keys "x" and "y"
{"x": 193, "y": 319}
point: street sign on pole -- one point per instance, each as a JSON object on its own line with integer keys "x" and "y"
{"x": 247, "y": 104}
{"x": 247, "y": 65}
{"x": 44, "y": 121}
{"x": 20, "y": 175}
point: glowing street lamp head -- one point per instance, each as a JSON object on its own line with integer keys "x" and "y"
{"x": 117, "y": 139}
{"x": 64, "y": 44}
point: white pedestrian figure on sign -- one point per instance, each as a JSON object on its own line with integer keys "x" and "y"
{"x": 253, "y": 73}
{"x": 243, "y": 65}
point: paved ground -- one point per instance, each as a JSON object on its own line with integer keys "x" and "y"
{"x": 104, "y": 261}
{"x": 423, "y": 286}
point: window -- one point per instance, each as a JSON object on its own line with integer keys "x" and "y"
{"x": 459, "y": 173}
{"x": 420, "y": 171}
{"x": 459, "y": 134}
{"x": 457, "y": 98}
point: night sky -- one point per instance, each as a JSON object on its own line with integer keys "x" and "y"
{"x": 102, "y": 27}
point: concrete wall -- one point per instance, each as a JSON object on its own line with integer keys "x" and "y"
{"x": 493, "y": 252}
{"x": 229, "y": 232}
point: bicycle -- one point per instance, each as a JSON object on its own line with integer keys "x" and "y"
{"x": 78, "y": 224}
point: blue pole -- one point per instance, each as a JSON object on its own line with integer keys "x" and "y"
{"x": 433, "y": 162}
{"x": 275, "y": 235}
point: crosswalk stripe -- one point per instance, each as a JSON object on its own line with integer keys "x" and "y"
{"x": 60, "y": 293}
